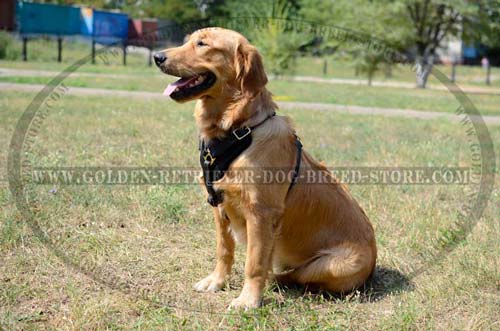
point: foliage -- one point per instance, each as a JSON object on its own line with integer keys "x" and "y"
{"x": 368, "y": 19}
{"x": 323, "y": 13}
{"x": 9, "y": 49}
{"x": 415, "y": 26}
{"x": 179, "y": 11}
{"x": 368, "y": 61}
{"x": 279, "y": 48}
{"x": 278, "y": 45}
{"x": 431, "y": 22}
{"x": 484, "y": 26}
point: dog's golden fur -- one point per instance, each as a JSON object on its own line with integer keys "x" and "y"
{"x": 314, "y": 234}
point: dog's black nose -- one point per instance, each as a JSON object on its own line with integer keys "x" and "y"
{"x": 159, "y": 58}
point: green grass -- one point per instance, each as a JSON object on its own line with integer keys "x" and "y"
{"x": 338, "y": 68}
{"x": 113, "y": 66}
{"x": 137, "y": 76}
{"x": 42, "y": 54}
{"x": 117, "y": 82}
{"x": 159, "y": 240}
{"x": 403, "y": 98}
{"x": 385, "y": 97}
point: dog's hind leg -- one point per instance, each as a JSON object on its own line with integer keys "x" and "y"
{"x": 340, "y": 269}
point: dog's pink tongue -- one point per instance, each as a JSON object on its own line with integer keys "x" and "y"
{"x": 170, "y": 88}
{"x": 181, "y": 82}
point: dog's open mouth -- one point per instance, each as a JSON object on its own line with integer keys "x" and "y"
{"x": 190, "y": 86}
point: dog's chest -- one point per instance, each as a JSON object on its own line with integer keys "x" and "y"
{"x": 237, "y": 223}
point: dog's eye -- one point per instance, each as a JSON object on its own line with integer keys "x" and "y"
{"x": 200, "y": 43}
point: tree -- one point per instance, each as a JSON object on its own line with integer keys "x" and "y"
{"x": 278, "y": 45}
{"x": 368, "y": 61}
{"x": 180, "y": 11}
{"x": 364, "y": 19}
{"x": 339, "y": 13}
{"x": 484, "y": 27}
{"x": 417, "y": 26}
{"x": 431, "y": 21}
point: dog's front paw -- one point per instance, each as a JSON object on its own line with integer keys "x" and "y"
{"x": 246, "y": 302}
{"x": 209, "y": 284}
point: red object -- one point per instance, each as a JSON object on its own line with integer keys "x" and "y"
{"x": 7, "y": 14}
{"x": 142, "y": 32}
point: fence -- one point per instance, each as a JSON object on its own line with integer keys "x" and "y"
{"x": 100, "y": 27}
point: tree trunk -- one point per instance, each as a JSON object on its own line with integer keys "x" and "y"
{"x": 488, "y": 74}
{"x": 423, "y": 69}
{"x": 388, "y": 70}
{"x": 453, "y": 71}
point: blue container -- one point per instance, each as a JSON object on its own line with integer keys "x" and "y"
{"x": 37, "y": 18}
{"x": 109, "y": 28}
{"x": 469, "y": 52}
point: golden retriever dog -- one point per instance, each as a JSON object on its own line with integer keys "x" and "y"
{"x": 312, "y": 234}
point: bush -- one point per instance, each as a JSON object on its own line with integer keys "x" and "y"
{"x": 9, "y": 48}
{"x": 279, "y": 48}
{"x": 368, "y": 61}
{"x": 278, "y": 44}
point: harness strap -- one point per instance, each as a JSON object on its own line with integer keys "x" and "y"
{"x": 297, "y": 163}
{"x": 262, "y": 122}
{"x": 216, "y": 156}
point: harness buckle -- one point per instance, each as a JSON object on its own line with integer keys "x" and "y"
{"x": 248, "y": 131}
{"x": 208, "y": 157}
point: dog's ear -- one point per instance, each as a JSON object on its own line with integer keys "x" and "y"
{"x": 249, "y": 69}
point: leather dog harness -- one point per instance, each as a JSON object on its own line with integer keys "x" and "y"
{"x": 216, "y": 155}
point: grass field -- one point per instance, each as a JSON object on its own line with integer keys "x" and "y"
{"x": 42, "y": 54}
{"x": 337, "y": 68}
{"x": 159, "y": 240}
{"x": 150, "y": 79}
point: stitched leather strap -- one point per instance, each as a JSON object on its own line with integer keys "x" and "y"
{"x": 216, "y": 155}
{"x": 297, "y": 163}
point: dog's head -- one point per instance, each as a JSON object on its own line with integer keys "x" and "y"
{"x": 213, "y": 62}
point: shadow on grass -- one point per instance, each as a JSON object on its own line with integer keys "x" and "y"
{"x": 384, "y": 282}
